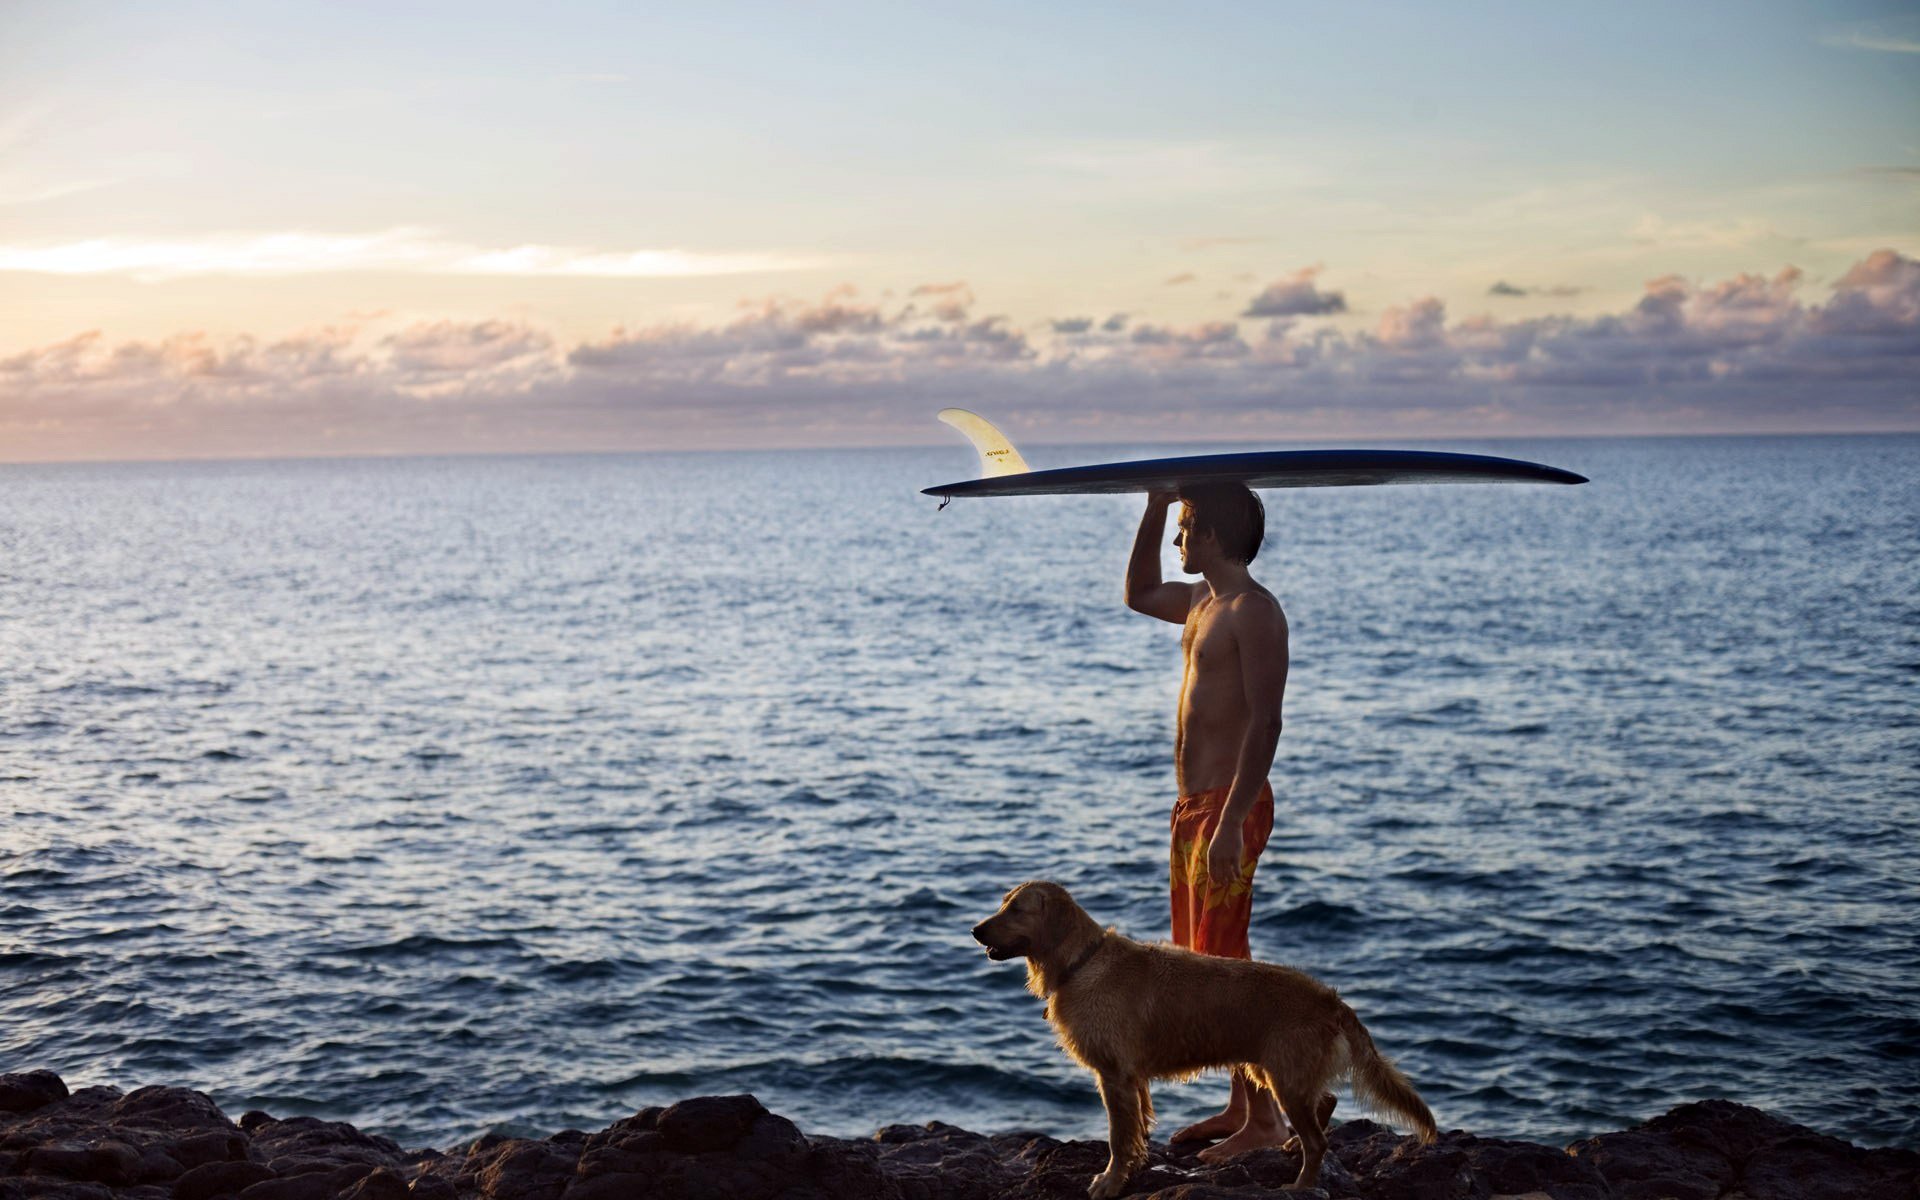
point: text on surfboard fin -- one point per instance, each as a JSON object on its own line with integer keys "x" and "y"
{"x": 997, "y": 455}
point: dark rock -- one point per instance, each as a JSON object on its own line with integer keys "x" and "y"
{"x": 378, "y": 1184}
{"x": 1654, "y": 1166}
{"x": 568, "y": 1137}
{"x": 42, "y": 1188}
{"x": 312, "y": 1185}
{"x": 850, "y": 1170}
{"x": 254, "y": 1119}
{"x": 431, "y": 1187}
{"x": 157, "y": 1166}
{"x": 309, "y": 1138}
{"x": 1810, "y": 1166}
{"x": 611, "y": 1187}
{"x": 1734, "y": 1131}
{"x": 708, "y": 1122}
{"x": 937, "y": 1161}
{"x": 1511, "y": 1168}
{"x": 525, "y": 1170}
{"x": 219, "y": 1179}
{"x": 167, "y": 1108}
{"x": 1441, "y": 1171}
{"x": 115, "y": 1164}
{"x": 211, "y": 1147}
{"x": 1210, "y": 1191}
{"x": 636, "y": 1153}
{"x": 1362, "y": 1145}
{"x": 30, "y": 1090}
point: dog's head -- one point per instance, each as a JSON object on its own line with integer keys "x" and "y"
{"x": 1033, "y": 919}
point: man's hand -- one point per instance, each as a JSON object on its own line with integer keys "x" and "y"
{"x": 1223, "y": 856}
{"x": 1162, "y": 499}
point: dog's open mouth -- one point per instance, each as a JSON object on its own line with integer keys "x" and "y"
{"x": 1017, "y": 948}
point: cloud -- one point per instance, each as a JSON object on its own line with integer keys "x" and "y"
{"x": 1899, "y": 35}
{"x": 406, "y": 249}
{"x": 1182, "y": 277}
{"x": 1296, "y": 296}
{"x": 1503, "y": 288}
{"x": 1750, "y": 352}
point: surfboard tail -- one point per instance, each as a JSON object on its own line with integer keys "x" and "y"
{"x": 997, "y": 455}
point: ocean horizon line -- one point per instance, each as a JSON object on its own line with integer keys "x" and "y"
{"x": 952, "y": 443}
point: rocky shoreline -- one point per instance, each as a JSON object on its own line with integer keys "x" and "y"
{"x": 165, "y": 1143}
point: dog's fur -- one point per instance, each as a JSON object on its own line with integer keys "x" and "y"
{"x": 1132, "y": 1013}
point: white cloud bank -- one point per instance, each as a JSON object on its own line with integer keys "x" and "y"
{"x": 1743, "y": 354}
{"x": 402, "y": 249}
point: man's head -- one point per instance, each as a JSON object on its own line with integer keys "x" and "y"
{"x": 1221, "y": 521}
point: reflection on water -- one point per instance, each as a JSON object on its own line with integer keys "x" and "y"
{"x": 441, "y": 794}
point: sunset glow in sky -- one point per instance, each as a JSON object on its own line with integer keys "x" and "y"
{"x": 290, "y": 229}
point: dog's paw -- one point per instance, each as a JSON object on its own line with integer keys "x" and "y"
{"x": 1107, "y": 1184}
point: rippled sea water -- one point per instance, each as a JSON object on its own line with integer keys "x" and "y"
{"x": 449, "y": 794}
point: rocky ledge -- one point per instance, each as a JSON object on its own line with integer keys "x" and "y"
{"x": 163, "y": 1143}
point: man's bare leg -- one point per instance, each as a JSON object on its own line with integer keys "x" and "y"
{"x": 1249, "y": 1109}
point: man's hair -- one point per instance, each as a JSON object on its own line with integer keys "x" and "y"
{"x": 1232, "y": 513}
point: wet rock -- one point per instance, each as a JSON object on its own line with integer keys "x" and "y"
{"x": 378, "y": 1184}
{"x": 310, "y": 1185}
{"x": 851, "y": 1170}
{"x": 157, "y": 1166}
{"x": 297, "y": 1139}
{"x": 115, "y": 1164}
{"x": 1525, "y": 1168}
{"x": 213, "y": 1179}
{"x": 431, "y": 1187}
{"x": 1676, "y": 1164}
{"x": 708, "y": 1122}
{"x": 175, "y": 1144}
{"x": 214, "y": 1146}
{"x": 41, "y": 1188}
{"x": 30, "y": 1090}
{"x": 1441, "y": 1171}
{"x": 937, "y": 1161}
{"x": 166, "y": 1108}
{"x": 1811, "y": 1166}
{"x": 519, "y": 1169}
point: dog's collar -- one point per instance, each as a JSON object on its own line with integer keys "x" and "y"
{"x": 1073, "y": 968}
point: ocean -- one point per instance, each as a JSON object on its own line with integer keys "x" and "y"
{"x": 447, "y": 795}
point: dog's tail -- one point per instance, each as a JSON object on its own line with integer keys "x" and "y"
{"x": 1378, "y": 1082}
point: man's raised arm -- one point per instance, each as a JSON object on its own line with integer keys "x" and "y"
{"x": 1145, "y": 592}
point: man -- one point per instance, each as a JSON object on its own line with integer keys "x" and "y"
{"x": 1235, "y": 647}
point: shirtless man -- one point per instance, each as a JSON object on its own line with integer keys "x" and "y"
{"x": 1235, "y": 646}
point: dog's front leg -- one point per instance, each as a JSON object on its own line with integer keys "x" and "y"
{"x": 1126, "y": 1134}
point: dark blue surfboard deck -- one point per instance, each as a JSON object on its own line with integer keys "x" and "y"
{"x": 1263, "y": 469}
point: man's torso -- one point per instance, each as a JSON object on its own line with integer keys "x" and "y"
{"x": 1213, "y": 699}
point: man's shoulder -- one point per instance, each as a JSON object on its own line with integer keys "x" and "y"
{"x": 1255, "y": 605}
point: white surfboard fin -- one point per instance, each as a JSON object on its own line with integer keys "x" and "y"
{"x": 997, "y": 455}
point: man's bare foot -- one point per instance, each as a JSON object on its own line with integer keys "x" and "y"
{"x": 1217, "y": 1126}
{"x": 1251, "y": 1136}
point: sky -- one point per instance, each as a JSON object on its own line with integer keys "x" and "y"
{"x": 276, "y": 229}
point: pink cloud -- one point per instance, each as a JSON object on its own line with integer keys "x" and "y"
{"x": 1752, "y": 351}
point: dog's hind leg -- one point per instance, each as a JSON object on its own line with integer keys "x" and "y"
{"x": 1129, "y": 1109}
{"x": 1302, "y": 1106}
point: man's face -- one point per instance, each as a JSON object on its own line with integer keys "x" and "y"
{"x": 1192, "y": 546}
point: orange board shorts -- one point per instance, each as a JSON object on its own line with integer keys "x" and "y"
{"x": 1209, "y": 917}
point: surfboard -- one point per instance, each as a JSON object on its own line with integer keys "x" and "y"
{"x": 1003, "y": 472}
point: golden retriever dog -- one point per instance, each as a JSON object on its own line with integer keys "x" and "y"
{"x": 1132, "y": 1013}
